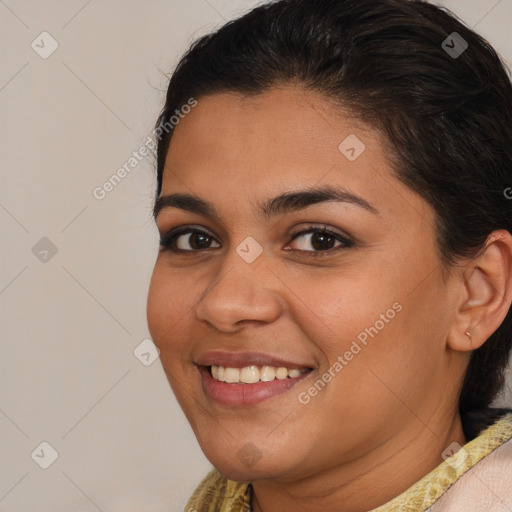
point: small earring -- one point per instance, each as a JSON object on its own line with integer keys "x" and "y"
{"x": 468, "y": 334}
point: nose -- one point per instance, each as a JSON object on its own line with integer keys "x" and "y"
{"x": 240, "y": 293}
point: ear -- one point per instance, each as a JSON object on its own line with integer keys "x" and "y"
{"x": 485, "y": 293}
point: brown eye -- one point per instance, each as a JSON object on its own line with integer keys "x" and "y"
{"x": 186, "y": 240}
{"x": 314, "y": 240}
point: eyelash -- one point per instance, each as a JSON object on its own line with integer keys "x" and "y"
{"x": 168, "y": 240}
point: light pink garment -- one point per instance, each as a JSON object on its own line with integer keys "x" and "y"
{"x": 487, "y": 487}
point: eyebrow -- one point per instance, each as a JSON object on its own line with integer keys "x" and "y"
{"x": 284, "y": 203}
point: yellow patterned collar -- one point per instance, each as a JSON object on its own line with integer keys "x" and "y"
{"x": 219, "y": 494}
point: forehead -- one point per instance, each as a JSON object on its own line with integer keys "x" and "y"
{"x": 283, "y": 131}
{"x": 295, "y": 115}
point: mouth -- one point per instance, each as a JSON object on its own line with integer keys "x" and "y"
{"x": 249, "y": 385}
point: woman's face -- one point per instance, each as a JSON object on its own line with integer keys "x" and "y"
{"x": 362, "y": 311}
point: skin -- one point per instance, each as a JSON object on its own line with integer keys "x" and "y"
{"x": 384, "y": 420}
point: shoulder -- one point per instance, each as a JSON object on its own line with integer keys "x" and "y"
{"x": 477, "y": 477}
{"x": 487, "y": 486}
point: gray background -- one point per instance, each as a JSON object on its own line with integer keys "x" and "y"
{"x": 70, "y": 321}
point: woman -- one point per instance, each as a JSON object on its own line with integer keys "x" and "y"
{"x": 332, "y": 295}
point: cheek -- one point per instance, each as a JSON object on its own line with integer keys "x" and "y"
{"x": 338, "y": 309}
{"x": 399, "y": 361}
{"x": 168, "y": 317}
{"x": 168, "y": 307}
{"x": 157, "y": 305}
{"x": 373, "y": 324}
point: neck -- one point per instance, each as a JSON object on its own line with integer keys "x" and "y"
{"x": 369, "y": 481}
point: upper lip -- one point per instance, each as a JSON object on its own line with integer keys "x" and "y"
{"x": 242, "y": 359}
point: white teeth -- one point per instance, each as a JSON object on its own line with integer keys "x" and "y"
{"x": 281, "y": 373}
{"x": 252, "y": 374}
{"x": 268, "y": 373}
{"x": 232, "y": 375}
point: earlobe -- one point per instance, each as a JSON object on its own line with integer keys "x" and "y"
{"x": 486, "y": 290}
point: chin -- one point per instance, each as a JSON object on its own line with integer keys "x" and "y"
{"x": 249, "y": 464}
{"x": 240, "y": 475}
{"x": 238, "y": 472}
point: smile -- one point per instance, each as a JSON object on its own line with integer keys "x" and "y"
{"x": 239, "y": 393}
{"x": 252, "y": 374}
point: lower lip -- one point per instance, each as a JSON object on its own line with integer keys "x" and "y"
{"x": 245, "y": 394}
